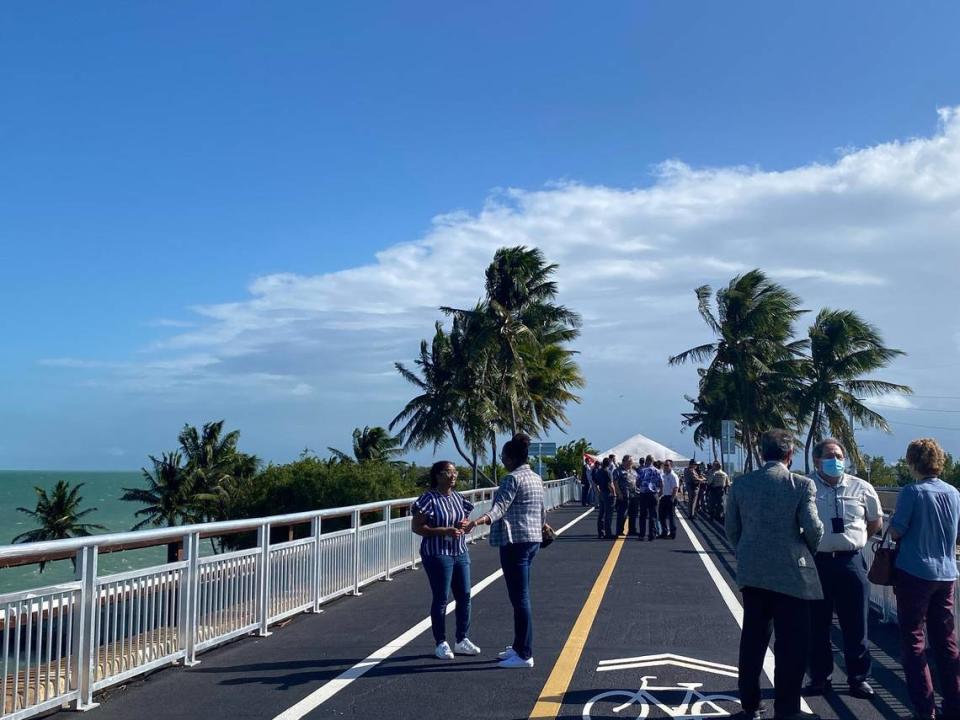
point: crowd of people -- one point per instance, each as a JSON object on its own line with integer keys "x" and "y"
{"x": 798, "y": 543}
{"x": 644, "y": 496}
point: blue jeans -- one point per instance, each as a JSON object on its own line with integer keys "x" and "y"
{"x": 446, "y": 573}
{"x": 515, "y": 559}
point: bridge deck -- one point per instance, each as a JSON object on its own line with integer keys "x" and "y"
{"x": 661, "y": 598}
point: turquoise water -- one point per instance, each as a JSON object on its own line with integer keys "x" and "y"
{"x": 101, "y": 490}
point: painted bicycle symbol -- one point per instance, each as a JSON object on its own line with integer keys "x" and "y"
{"x": 694, "y": 706}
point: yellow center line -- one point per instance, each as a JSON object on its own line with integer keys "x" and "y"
{"x": 551, "y": 697}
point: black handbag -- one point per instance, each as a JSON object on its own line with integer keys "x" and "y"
{"x": 883, "y": 569}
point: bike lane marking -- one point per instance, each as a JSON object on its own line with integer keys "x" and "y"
{"x": 326, "y": 691}
{"x": 731, "y": 601}
{"x": 551, "y": 697}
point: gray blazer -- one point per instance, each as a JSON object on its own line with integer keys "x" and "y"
{"x": 772, "y": 521}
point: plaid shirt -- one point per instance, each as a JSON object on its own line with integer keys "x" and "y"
{"x": 517, "y": 515}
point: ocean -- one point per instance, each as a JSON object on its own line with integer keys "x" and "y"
{"x": 101, "y": 490}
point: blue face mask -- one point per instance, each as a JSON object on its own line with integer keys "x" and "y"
{"x": 834, "y": 467}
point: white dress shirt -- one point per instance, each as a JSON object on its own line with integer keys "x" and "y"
{"x": 856, "y": 502}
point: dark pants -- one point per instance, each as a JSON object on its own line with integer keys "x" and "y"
{"x": 764, "y": 612}
{"x": 446, "y": 573}
{"x": 668, "y": 523}
{"x": 930, "y": 603}
{"x": 633, "y": 511}
{"x": 515, "y": 559}
{"x": 715, "y": 498}
{"x": 605, "y": 515}
{"x": 846, "y": 591}
{"x": 648, "y": 515}
{"x": 622, "y": 504}
{"x": 584, "y": 495}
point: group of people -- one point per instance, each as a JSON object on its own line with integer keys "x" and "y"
{"x": 644, "y": 497}
{"x": 799, "y": 547}
{"x": 442, "y": 517}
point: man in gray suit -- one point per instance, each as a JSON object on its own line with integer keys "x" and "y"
{"x": 771, "y": 519}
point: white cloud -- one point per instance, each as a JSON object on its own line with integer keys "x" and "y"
{"x": 875, "y": 231}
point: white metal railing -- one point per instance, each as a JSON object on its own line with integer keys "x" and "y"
{"x": 60, "y": 644}
{"x": 883, "y": 598}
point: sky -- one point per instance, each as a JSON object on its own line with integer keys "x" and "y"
{"x": 251, "y": 210}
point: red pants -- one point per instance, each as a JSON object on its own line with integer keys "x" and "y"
{"x": 928, "y": 603}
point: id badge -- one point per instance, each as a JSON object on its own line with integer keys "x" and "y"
{"x": 837, "y": 525}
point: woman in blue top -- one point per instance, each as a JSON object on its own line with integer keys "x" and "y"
{"x": 926, "y": 525}
{"x": 439, "y": 516}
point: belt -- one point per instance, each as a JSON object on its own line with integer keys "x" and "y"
{"x": 838, "y": 553}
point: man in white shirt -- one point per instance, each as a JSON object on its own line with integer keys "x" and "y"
{"x": 850, "y": 511}
{"x": 671, "y": 486}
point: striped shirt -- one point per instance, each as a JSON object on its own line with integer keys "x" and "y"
{"x": 441, "y": 511}
{"x": 518, "y": 515}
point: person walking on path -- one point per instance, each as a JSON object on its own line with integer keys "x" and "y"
{"x": 438, "y": 516}
{"x": 586, "y": 479}
{"x": 606, "y": 497}
{"x": 772, "y": 522}
{"x": 926, "y": 524}
{"x": 668, "y": 502}
{"x": 692, "y": 484}
{"x": 516, "y": 519}
{"x": 850, "y": 511}
{"x": 649, "y": 485}
{"x": 628, "y": 501}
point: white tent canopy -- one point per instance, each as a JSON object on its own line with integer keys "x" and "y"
{"x": 639, "y": 446}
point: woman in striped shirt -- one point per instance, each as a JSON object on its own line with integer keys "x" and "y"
{"x": 438, "y": 516}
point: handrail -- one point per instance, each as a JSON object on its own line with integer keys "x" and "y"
{"x": 62, "y": 643}
{"x": 132, "y": 539}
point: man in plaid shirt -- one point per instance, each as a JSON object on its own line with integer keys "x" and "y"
{"x": 516, "y": 527}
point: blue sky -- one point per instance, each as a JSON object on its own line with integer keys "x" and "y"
{"x": 160, "y": 157}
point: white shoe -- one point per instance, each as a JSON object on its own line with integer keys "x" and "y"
{"x": 507, "y": 654}
{"x": 516, "y": 662}
{"x": 443, "y": 651}
{"x": 466, "y": 647}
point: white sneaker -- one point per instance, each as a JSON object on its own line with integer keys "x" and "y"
{"x": 516, "y": 662}
{"x": 508, "y": 653}
{"x": 466, "y": 647}
{"x": 443, "y": 651}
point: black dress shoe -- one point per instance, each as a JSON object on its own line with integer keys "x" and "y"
{"x": 757, "y": 714}
{"x": 818, "y": 687}
{"x": 861, "y": 690}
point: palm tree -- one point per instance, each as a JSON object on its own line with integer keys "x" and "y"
{"x": 372, "y": 444}
{"x": 753, "y": 327}
{"x": 169, "y": 498}
{"x": 443, "y": 409}
{"x": 211, "y": 457}
{"x": 843, "y": 350}
{"x": 517, "y": 317}
{"x": 58, "y": 515}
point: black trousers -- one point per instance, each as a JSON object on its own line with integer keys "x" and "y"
{"x": 766, "y": 612}
{"x": 846, "y": 591}
{"x": 621, "y": 513}
{"x": 648, "y": 515}
{"x": 668, "y": 522}
{"x": 605, "y": 515}
{"x": 633, "y": 509}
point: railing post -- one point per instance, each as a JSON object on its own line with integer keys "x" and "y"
{"x": 84, "y": 626}
{"x": 315, "y": 531}
{"x": 263, "y": 579}
{"x": 388, "y": 516}
{"x": 190, "y": 599}
{"x": 356, "y": 552}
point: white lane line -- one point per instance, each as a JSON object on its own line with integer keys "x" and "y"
{"x": 736, "y": 609}
{"x": 326, "y": 691}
